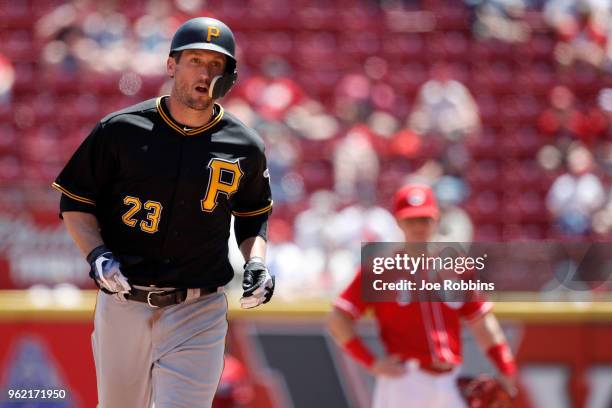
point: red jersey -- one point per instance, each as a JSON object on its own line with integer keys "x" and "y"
{"x": 427, "y": 331}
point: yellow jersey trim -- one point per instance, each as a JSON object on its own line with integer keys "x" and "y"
{"x": 191, "y": 132}
{"x": 253, "y": 213}
{"x": 72, "y": 195}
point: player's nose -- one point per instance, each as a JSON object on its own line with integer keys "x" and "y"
{"x": 204, "y": 75}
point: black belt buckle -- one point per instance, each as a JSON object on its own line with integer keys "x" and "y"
{"x": 149, "y": 297}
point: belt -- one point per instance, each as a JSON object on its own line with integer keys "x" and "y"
{"x": 435, "y": 369}
{"x": 432, "y": 369}
{"x": 161, "y": 298}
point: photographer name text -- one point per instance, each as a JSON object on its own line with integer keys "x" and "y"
{"x": 446, "y": 285}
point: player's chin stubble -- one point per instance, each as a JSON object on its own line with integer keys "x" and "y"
{"x": 191, "y": 101}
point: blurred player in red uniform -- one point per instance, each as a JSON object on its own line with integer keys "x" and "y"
{"x": 422, "y": 340}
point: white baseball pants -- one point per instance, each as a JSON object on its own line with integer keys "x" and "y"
{"x": 418, "y": 388}
{"x": 172, "y": 356}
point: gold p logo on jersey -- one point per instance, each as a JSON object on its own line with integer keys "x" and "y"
{"x": 212, "y": 32}
{"x": 224, "y": 178}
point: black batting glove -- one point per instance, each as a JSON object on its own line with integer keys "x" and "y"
{"x": 257, "y": 283}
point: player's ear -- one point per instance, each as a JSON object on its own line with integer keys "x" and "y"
{"x": 171, "y": 67}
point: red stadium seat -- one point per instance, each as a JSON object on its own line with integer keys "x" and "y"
{"x": 359, "y": 20}
{"x": 25, "y": 78}
{"x": 543, "y": 77}
{"x": 523, "y": 232}
{"x": 408, "y": 78}
{"x": 487, "y": 233}
{"x": 484, "y": 207}
{"x": 403, "y": 47}
{"x": 452, "y": 18}
{"x": 321, "y": 16}
{"x": 456, "y": 45}
{"x": 315, "y": 50}
{"x": 485, "y": 146}
{"x": 10, "y": 170}
{"x": 368, "y": 44}
{"x": 17, "y": 14}
{"x": 483, "y": 174}
{"x": 9, "y": 142}
{"x": 542, "y": 46}
{"x": 487, "y": 106}
{"x": 317, "y": 175}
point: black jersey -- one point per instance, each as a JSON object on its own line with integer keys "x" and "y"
{"x": 164, "y": 194}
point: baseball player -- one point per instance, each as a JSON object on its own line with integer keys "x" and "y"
{"x": 422, "y": 340}
{"x": 148, "y": 198}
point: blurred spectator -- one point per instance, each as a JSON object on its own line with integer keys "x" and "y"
{"x": 582, "y": 29}
{"x": 312, "y": 245}
{"x": 561, "y": 115}
{"x": 312, "y": 225}
{"x": 550, "y": 158}
{"x": 383, "y": 124}
{"x": 356, "y": 163}
{"x": 283, "y": 152}
{"x": 191, "y": 8}
{"x": 576, "y": 195}
{"x": 153, "y": 32}
{"x": 352, "y": 98}
{"x": 68, "y": 50}
{"x": 445, "y": 107}
{"x": 242, "y": 110}
{"x": 608, "y": 50}
{"x": 455, "y": 223}
{"x": 7, "y": 78}
{"x": 86, "y": 34}
{"x": 363, "y": 221}
{"x": 311, "y": 120}
{"x": 602, "y": 219}
{"x": 66, "y": 46}
{"x": 501, "y": 20}
{"x": 405, "y": 143}
{"x": 272, "y": 93}
{"x": 109, "y": 32}
{"x": 603, "y": 149}
{"x": 562, "y": 120}
{"x": 301, "y": 273}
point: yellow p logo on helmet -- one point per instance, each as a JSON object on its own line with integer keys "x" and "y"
{"x": 212, "y": 32}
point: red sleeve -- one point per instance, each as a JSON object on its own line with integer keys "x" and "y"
{"x": 473, "y": 310}
{"x": 349, "y": 301}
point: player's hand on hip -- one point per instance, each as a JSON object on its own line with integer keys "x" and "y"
{"x": 389, "y": 366}
{"x": 106, "y": 271}
{"x": 257, "y": 283}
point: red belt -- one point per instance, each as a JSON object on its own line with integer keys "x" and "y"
{"x": 432, "y": 368}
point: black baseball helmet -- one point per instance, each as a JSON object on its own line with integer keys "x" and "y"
{"x": 205, "y": 33}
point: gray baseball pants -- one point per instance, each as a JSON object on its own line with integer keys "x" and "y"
{"x": 171, "y": 356}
